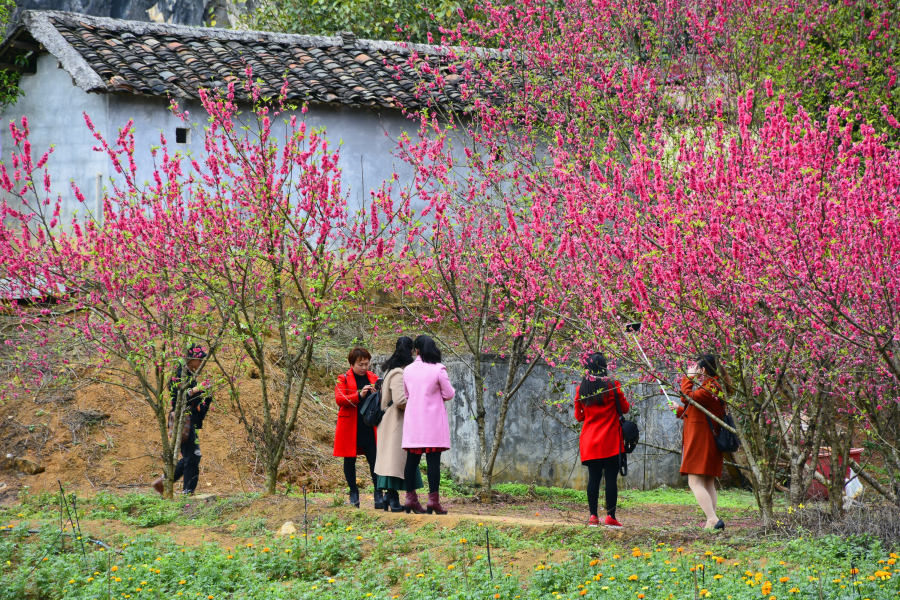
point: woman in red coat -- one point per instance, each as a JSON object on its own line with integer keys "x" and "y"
{"x": 601, "y": 435}
{"x": 701, "y": 460}
{"x": 352, "y": 436}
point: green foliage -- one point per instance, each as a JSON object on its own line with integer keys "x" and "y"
{"x": 369, "y": 19}
{"x": 351, "y": 554}
{"x": 834, "y": 550}
{"x": 9, "y": 80}
{"x": 841, "y": 54}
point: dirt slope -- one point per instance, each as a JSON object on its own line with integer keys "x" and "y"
{"x": 119, "y": 447}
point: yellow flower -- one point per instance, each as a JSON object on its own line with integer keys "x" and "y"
{"x": 143, "y": 583}
{"x": 463, "y": 541}
{"x": 331, "y": 581}
{"x": 708, "y": 553}
{"x": 359, "y": 537}
{"x": 210, "y": 597}
{"x": 633, "y": 578}
{"x": 265, "y": 549}
{"x": 679, "y": 550}
{"x": 349, "y": 528}
{"x": 118, "y": 579}
{"x": 583, "y": 593}
{"x": 784, "y": 579}
{"x": 793, "y": 590}
{"x": 319, "y": 538}
{"x": 451, "y": 567}
{"x": 288, "y": 551}
{"x": 673, "y": 569}
{"x": 616, "y": 556}
{"x": 249, "y": 545}
{"x": 420, "y": 574}
{"x": 704, "y": 592}
{"x": 719, "y": 576}
{"x": 229, "y": 556}
{"x": 182, "y": 582}
{"x": 114, "y": 569}
{"x": 594, "y": 563}
{"x": 90, "y": 579}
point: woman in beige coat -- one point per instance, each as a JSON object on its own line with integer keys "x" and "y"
{"x": 390, "y": 456}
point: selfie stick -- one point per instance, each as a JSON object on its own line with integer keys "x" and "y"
{"x": 633, "y": 328}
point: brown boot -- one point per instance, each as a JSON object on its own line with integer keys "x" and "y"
{"x": 158, "y": 485}
{"x": 434, "y": 504}
{"x": 412, "y": 504}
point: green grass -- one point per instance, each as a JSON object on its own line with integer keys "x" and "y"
{"x": 629, "y": 498}
{"x": 352, "y": 555}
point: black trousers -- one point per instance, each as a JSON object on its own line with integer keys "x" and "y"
{"x": 598, "y": 468}
{"x": 350, "y": 467}
{"x": 189, "y": 466}
{"x": 433, "y": 460}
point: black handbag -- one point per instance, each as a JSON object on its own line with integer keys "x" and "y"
{"x": 371, "y": 411}
{"x": 630, "y": 436}
{"x": 726, "y": 441}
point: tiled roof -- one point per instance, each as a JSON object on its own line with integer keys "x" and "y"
{"x": 114, "y": 56}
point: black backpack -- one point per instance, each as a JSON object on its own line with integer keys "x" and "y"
{"x": 370, "y": 409}
{"x": 726, "y": 441}
{"x": 630, "y": 436}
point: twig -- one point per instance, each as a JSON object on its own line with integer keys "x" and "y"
{"x": 487, "y": 534}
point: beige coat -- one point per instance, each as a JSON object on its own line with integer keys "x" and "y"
{"x": 391, "y": 458}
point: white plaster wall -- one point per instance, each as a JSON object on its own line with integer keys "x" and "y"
{"x": 366, "y": 137}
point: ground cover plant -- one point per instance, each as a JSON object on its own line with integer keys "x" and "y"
{"x": 347, "y": 553}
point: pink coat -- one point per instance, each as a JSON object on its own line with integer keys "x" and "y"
{"x": 425, "y": 424}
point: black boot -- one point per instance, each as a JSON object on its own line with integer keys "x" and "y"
{"x": 379, "y": 500}
{"x": 393, "y": 501}
{"x": 354, "y": 498}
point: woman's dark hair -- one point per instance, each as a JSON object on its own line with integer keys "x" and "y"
{"x": 401, "y": 357}
{"x": 594, "y": 384}
{"x": 711, "y": 367}
{"x": 428, "y": 350}
{"x": 356, "y": 354}
{"x": 709, "y": 363}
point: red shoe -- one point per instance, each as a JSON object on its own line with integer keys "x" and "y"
{"x": 610, "y": 522}
{"x": 412, "y": 504}
{"x": 434, "y": 504}
{"x": 593, "y": 521}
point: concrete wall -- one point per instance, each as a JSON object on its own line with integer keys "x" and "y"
{"x": 366, "y": 137}
{"x": 540, "y": 443}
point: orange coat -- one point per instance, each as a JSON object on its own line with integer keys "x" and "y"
{"x": 699, "y": 455}
{"x": 348, "y": 400}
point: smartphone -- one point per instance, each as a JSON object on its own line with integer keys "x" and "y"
{"x": 378, "y": 383}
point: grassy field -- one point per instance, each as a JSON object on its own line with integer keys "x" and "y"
{"x": 228, "y": 548}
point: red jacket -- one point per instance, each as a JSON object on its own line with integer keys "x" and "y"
{"x": 601, "y": 435}
{"x": 346, "y": 397}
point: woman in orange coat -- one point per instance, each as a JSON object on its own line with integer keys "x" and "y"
{"x": 352, "y": 436}
{"x": 701, "y": 460}
{"x": 600, "y": 442}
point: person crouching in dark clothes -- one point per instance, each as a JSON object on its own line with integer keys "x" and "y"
{"x": 197, "y": 403}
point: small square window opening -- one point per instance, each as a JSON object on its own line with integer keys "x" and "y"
{"x": 182, "y": 135}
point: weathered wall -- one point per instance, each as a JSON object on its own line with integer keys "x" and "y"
{"x": 54, "y": 106}
{"x": 540, "y": 444}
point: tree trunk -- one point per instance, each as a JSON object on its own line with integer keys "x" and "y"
{"x": 271, "y": 478}
{"x": 484, "y": 493}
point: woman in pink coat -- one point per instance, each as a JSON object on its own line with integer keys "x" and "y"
{"x": 426, "y": 429}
